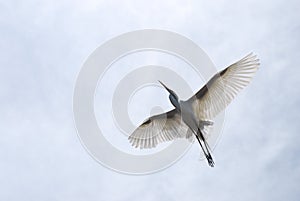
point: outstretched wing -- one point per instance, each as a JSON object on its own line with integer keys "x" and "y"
{"x": 221, "y": 89}
{"x": 159, "y": 128}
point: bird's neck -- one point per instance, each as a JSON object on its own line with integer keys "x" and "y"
{"x": 175, "y": 102}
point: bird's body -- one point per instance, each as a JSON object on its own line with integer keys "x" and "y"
{"x": 190, "y": 117}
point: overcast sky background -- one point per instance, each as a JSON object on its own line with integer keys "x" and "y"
{"x": 43, "y": 46}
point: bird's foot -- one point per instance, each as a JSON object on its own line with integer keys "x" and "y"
{"x": 210, "y": 160}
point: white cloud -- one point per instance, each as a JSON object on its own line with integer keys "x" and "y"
{"x": 43, "y": 46}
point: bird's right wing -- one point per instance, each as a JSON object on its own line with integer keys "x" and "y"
{"x": 159, "y": 128}
{"x": 221, "y": 89}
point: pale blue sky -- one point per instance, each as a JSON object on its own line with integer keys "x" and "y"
{"x": 44, "y": 44}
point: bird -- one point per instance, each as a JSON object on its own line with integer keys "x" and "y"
{"x": 191, "y": 117}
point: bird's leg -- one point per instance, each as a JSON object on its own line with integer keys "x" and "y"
{"x": 206, "y": 152}
{"x": 201, "y": 146}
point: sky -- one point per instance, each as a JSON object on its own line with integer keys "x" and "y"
{"x": 43, "y": 47}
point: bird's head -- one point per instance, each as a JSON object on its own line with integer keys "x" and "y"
{"x": 173, "y": 97}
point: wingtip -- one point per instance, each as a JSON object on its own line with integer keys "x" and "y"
{"x": 251, "y": 57}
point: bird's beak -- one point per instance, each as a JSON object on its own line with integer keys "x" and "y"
{"x": 169, "y": 90}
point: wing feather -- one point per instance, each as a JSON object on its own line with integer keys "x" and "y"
{"x": 222, "y": 88}
{"x": 159, "y": 128}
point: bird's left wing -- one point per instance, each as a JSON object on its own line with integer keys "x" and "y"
{"x": 159, "y": 128}
{"x": 223, "y": 87}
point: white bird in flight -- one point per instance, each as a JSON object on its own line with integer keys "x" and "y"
{"x": 191, "y": 117}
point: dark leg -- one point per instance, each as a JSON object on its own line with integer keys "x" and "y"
{"x": 206, "y": 152}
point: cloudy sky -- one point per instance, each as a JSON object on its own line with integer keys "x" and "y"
{"x": 43, "y": 46}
